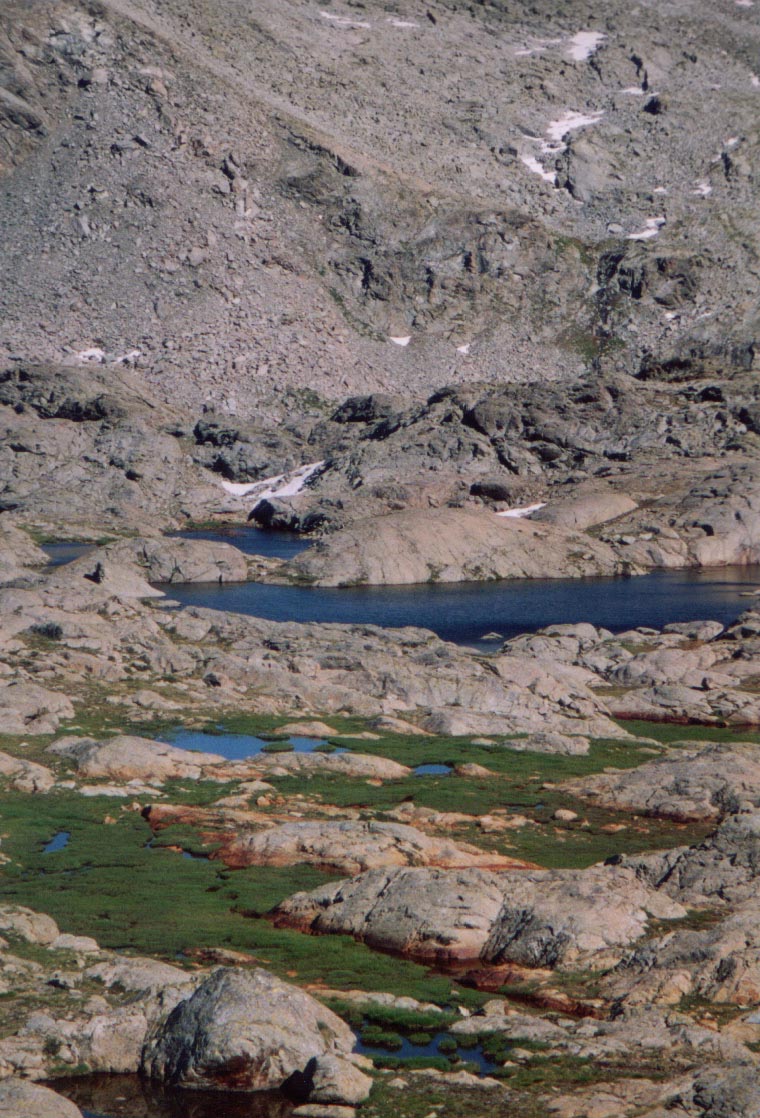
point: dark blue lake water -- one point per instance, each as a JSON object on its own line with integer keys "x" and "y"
{"x": 251, "y": 540}
{"x": 467, "y": 612}
{"x": 247, "y": 538}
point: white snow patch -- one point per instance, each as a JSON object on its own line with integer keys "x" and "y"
{"x": 402, "y": 23}
{"x": 755, "y": 80}
{"x": 633, "y": 91}
{"x": 126, "y": 358}
{"x": 533, "y": 165}
{"x": 652, "y": 227}
{"x": 556, "y": 130}
{"x": 660, "y": 190}
{"x": 518, "y": 514}
{"x": 670, "y": 315}
{"x": 465, "y": 349}
{"x": 744, "y": 3}
{"x": 702, "y": 189}
{"x": 569, "y": 123}
{"x": 401, "y": 341}
{"x": 92, "y": 355}
{"x": 283, "y": 485}
{"x": 583, "y": 45}
{"x": 344, "y": 21}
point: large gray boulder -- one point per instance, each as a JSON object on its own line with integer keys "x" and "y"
{"x": 126, "y": 757}
{"x": 28, "y": 708}
{"x": 21, "y": 1099}
{"x": 243, "y": 1031}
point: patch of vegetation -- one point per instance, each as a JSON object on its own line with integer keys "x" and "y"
{"x": 672, "y": 733}
{"x": 109, "y": 884}
{"x": 406, "y": 1021}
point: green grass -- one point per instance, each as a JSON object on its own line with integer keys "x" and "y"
{"x": 106, "y": 883}
{"x": 670, "y": 733}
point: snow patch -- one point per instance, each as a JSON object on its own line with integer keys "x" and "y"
{"x": 518, "y": 514}
{"x": 127, "y": 358}
{"x": 744, "y": 3}
{"x": 755, "y": 80}
{"x": 556, "y": 130}
{"x": 401, "y": 341}
{"x": 465, "y": 349}
{"x": 94, "y": 355}
{"x": 584, "y": 44}
{"x": 652, "y": 227}
{"x": 633, "y": 91}
{"x": 569, "y": 123}
{"x": 402, "y": 23}
{"x": 702, "y": 189}
{"x": 344, "y": 21}
{"x": 533, "y": 165}
{"x": 283, "y": 485}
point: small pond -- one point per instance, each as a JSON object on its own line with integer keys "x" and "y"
{"x": 238, "y": 747}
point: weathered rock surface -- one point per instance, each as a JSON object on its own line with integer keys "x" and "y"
{"x": 27, "y": 708}
{"x": 532, "y": 918}
{"x": 28, "y": 925}
{"x": 348, "y": 847}
{"x": 25, "y": 776}
{"x": 243, "y": 1031}
{"x": 167, "y": 560}
{"x": 449, "y": 545}
{"x": 720, "y": 965}
{"x": 126, "y": 757}
{"x": 19, "y": 1098}
{"x": 586, "y": 510}
{"x": 721, "y": 870}
{"x": 701, "y": 782}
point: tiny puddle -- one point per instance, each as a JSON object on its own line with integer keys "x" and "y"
{"x": 432, "y": 770}
{"x": 239, "y": 747}
{"x": 57, "y": 842}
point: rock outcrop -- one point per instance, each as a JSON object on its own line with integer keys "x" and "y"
{"x": 244, "y": 1031}
{"x": 19, "y": 1097}
{"x": 126, "y": 757}
{"x": 532, "y": 918}
{"x": 450, "y": 545}
{"x": 698, "y": 783}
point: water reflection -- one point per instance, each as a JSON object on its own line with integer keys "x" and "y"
{"x": 129, "y": 1096}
